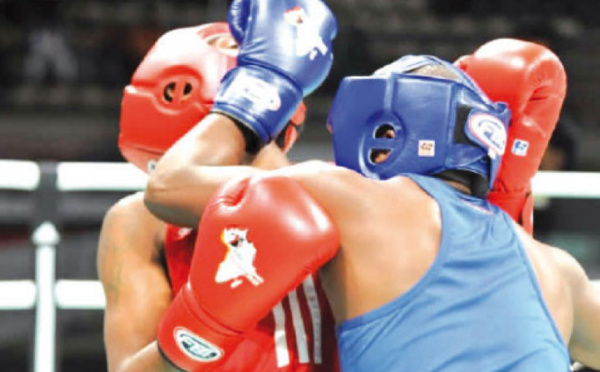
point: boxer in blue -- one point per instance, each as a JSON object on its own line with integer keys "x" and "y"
{"x": 422, "y": 272}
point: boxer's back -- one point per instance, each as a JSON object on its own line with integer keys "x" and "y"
{"x": 473, "y": 305}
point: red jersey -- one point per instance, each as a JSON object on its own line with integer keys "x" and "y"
{"x": 298, "y": 335}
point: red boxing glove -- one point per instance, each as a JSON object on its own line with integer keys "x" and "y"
{"x": 258, "y": 239}
{"x": 532, "y": 81}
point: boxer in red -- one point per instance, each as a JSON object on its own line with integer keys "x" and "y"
{"x": 143, "y": 262}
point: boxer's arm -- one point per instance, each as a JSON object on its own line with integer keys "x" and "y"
{"x": 136, "y": 287}
{"x": 191, "y": 171}
{"x": 209, "y": 155}
{"x": 584, "y": 345}
{"x": 182, "y": 175}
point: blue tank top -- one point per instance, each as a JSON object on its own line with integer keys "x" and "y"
{"x": 478, "y": 308}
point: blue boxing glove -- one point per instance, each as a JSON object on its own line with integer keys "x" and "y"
{"x": 285, "y": 54}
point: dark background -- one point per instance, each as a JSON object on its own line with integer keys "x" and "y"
{"x": 63, "y": 65}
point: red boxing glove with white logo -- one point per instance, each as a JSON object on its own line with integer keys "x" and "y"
{"x": 258, "y": 239}
{"x": 532, "y": 80}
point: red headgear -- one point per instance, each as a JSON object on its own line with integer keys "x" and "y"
{"x": 173, "y": 89}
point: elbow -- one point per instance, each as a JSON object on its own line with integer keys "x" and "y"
{"x": 157, "y": 197}
{"x": 154, "y": 196}
{"x": 167, "y": 205}
{"x": 156, "y": 201}
{"x": 161, "y": 195}
{"x": 158, "y": 185}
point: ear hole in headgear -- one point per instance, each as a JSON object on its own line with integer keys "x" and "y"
{"x": 170, "y": 89}
{"x": 187, "y": 91}
{"x": 378, "y": 156}
{"x": 169, "y": 92}
{"x": 384, "y": 131}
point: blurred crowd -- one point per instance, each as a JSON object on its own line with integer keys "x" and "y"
{"x": 64, "y": 63}
{"x": 82, "y": 52}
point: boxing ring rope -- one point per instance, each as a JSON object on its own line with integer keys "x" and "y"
{"x": 46, "y": 294}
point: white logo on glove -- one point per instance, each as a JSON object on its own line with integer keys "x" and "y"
{"x": 259, "y": 92}
{"x": 308, "y": 40}
{"x": 195, "y": 346}
{"x": 239, "y": 259}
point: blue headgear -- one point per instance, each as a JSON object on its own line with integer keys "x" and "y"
{"x": 439, "y": 124}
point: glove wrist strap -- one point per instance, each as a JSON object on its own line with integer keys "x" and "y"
{"x": 190, "y": 339}
{"x": 261, "y": 100}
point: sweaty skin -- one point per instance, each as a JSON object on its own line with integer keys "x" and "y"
{"x": 192, "y": 170}
{"x": 131, "y": 268}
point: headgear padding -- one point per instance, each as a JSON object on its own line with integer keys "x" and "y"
{"x": 438, "y": 124}
{"x": 173, "y": 89}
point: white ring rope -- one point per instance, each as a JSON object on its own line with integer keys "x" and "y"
{"x": 19, "y": 175}
{"x": 99, "y": 177}
{"x": 73, "y": 176}
{"x": 86, "y": 176}
{"x": 572, "y": 185}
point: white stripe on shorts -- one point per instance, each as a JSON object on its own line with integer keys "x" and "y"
{"x": 281, "y": 346}
{"x": 299, "y": 328}
{"x": 315, "y": 314}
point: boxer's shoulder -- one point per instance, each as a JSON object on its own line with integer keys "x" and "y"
{"x": 129, "y": 223}
{"x": 320, "y": 177}
{"x": 313, "y": 166}
{"x": 350, "y": 193}
{"x": 132, "y": 211}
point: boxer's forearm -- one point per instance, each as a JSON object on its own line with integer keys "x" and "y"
{"x": 186, "y": 176}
